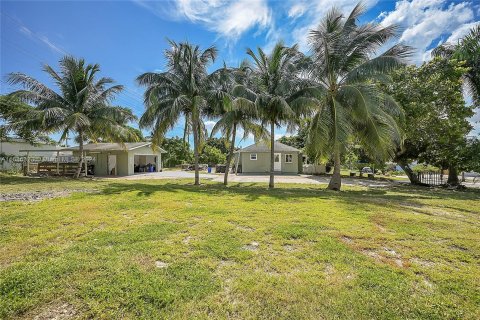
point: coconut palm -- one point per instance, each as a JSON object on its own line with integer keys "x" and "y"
{"x": 275, "y": 80}
{"x": 235, "y": 112}
{"x": 467, "y": 49}
{"x": 81, "y": 106}
{"x": 343, "y": 73}
{"x": 178, "y": 92}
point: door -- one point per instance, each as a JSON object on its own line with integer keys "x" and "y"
{"x": 112, "y": 164}
{"x": 277, "y": 162}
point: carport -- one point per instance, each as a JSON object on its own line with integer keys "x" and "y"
{"x": 122, "y": 159}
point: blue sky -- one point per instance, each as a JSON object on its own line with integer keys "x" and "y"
{"x": 127, "y": 38}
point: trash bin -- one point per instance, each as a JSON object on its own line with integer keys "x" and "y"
{"x": 209, "y": 169}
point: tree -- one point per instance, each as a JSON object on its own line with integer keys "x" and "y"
{"x": 12, "y": 111}
{"x": 342, "y": 71}
{"x": 179, "y": 91}
{"x": 221, "y": 144}
{"x": 235, "y": 112}
{"x": 81, "y": 106}
{"x": 177, "y": 152}
{"x": 436, "y": 116}
{"x": 212, "y": 155}
{"x": 275, "y": 81}
{"x": 471, "y": 155}
{"x": 468, "y": 50}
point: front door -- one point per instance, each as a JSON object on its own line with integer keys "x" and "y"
{"x": 277, "y": 162}
{"x": 112, "y": 164}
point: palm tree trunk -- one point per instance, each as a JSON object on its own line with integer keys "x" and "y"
{"x": 336, "y": 180}
{"x": 80, "y": 150}
{"x": 452, "y": 176}
{"x": 230, "y": 154}
{"x": 185, "y": 132}
{"x": 196, "y": 143}
{"x": 409, "y": 172}
{"x": 271, "y": 184}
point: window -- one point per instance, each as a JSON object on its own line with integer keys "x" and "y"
{"x": 288, "y": 158}
{"x": 253, "y": 156}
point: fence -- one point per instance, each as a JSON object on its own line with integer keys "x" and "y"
{"x": 431, "y": 178}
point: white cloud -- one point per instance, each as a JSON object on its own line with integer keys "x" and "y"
{"x": 297, "y": 10}
{"x": 461, "y": 31}
{"x": 425, "y": 21}
{"x": 39, "y": 37}
{"x": 229, "y": 19}
{"x": 209, "y": 124}
{"x": 313, "y": 12}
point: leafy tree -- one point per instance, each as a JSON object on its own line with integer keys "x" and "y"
{"x": 221, "y": 144}
{"x": 235, "y": 112}
{"x": 177, "y": 152}
{"x": 436, "y": 117}
{"x": 82, "y": 105}
{"x": 342, "y": 73}
{"x": 212, "y": 155}
{"x": 470, "y": 155}
{"x": 12, "y": 111}
{"x": 468, "y": 50}
{"x": 179, "y": 91}
{"x": 275, "y": 81}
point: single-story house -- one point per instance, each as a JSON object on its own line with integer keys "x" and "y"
{"x": 122, "y": 159}
{"x": 256, "y": 158}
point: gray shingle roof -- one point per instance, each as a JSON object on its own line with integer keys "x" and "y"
{"x": 265, "y": 147}
{"x": 127, "y": 146}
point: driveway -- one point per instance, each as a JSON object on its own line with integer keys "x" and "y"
{"x": 262, "y": 178}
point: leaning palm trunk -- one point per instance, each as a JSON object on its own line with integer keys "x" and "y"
{"x": 230, "y": 155}
{"x": 271, "y": 184}
{"x": 80, "y": 160}
{"x": 336, "y": 180}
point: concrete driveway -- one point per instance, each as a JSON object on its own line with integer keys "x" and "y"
{"x": 262, "y": 178}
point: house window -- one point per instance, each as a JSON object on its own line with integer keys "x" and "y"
{"x": 253, "y": 156}
{"x": 288, "y": 158}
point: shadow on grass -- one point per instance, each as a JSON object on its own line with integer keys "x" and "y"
{"x": 398, "y": 194}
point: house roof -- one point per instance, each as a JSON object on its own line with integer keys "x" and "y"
{"x": 264, "y": 147}
{"x": 126, "y": 146}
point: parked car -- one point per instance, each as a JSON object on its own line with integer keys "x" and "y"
{"x": 367, "y": 170}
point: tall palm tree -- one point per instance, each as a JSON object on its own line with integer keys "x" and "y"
{"x": 235, "y": 112}
{"x": 275, "y": 81}
{"x": 179, "y": 91}
{"x": 343, "y": 74}
{"x": 467, "y": 49}
{"x": 81, "y": 106}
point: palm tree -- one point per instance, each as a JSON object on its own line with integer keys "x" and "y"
{"x": 179, "y": 91}
{"x": 343, "y": 74}
{"x": 81, "y": 106}
{"x": 275, "y": 81}
{"x": 467, "y": 49}
{"x": 235, "y": 112}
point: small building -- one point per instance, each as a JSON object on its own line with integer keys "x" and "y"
{"x": 256, "y": 158}
{"x": 13, "y": 153}
{"x": 122, "y": 159}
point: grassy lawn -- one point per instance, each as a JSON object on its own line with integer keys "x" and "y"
{"x": 166, "y": 249}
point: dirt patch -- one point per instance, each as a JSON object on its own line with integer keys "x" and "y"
{"x": 347, "y": 239}
{"x": 40, "y": 195}
{"x": 423, "y": 263}
{"x": 186, "y": 240}
{"x": 56, "y": 311}
{"x": 253, "y": 246}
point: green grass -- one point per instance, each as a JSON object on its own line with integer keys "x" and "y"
{"x": 362, "y": 253}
